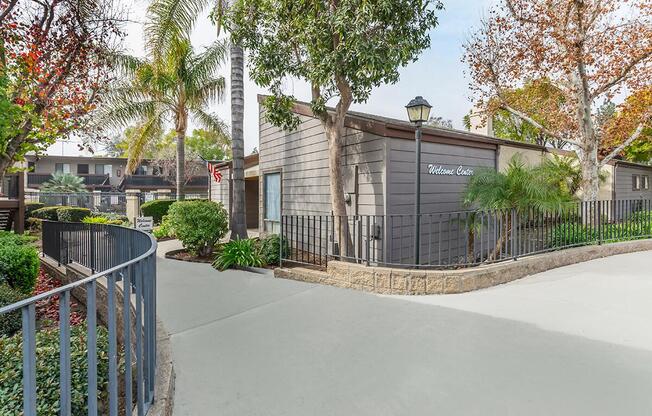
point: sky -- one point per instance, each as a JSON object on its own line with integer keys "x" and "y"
{"x": 438, "y": 74}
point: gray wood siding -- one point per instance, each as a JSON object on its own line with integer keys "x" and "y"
{"x": 623, "y": 183}
{"x": 302, "y": 158}
{"x": 220, "y": 192}
{"x": 443, "y": 235}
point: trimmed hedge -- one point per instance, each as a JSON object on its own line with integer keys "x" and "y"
{"x": 11, "y": 322}
{"x": 47, "y": 213}
{"x": 198, "y": 224}
{"x": 72, "y": 214}
{"x": 156, "y": 209}
{"x": 19, "y": 264}
{"x": 30, "y": 207}
{"x": 47, "y": 371}
{"x": 101, "y": 220}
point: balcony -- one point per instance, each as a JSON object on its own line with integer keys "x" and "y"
{"x": 35, "y": 180}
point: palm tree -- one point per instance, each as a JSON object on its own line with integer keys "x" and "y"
{"x": 64, "y": 183}
{"x": 512, "y": 193}
{"x": 178, "y": 16}
{"x": 171, "y": 85}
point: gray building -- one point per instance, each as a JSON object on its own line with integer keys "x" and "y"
{"x": 379, "y": 172}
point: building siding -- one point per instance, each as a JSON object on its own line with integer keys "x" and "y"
{"x": 221, "y": 191}
{"x": 623, "y": 183}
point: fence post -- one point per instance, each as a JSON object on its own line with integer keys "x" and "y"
{"x": 280, "y": 245}
{"x": 133, "y": 204}
{"x": 599, "y": 220}
{"x": 513, "y": 226}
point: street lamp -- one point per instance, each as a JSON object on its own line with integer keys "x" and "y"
{"x": 418, "y": 112}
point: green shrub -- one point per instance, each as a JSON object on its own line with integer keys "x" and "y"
{"x": 238, "y": 253}
{"x": 9, "y": 237}
{"x": 34, "y": 224}
{"x": 11, "y": 322}
{"x": 568, "y": 234}
{"x": 270, "y": 248}
{"x": 72, "y": 214}
{"x": 47, "y": 371}
{"x": 47, "y": 213}
{"x": 164, "y": 230}
{"x": 101, "y": 220}
{"x": 19, "y": 264}
{"x": 198, "y": 224}
{"x": 122, "y": 219}
{"x": 30, "y": 207}
{"x": 156, "y": 209}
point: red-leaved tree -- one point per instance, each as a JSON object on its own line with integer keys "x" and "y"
{"x": 54, "y": 67}
{"x": 589, "y": 49}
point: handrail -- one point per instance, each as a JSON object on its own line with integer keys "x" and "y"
{"x": 78, "y": 283}
{"x": 102, "y": 246}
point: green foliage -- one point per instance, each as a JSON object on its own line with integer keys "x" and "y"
{"x": 72, "y": 214}
{"x": 47, "y": 371}
{"x": 637, "y": 225}
{"x": 101, "y": 220}
{"x": 64, "y": 183}
{"x": 11, "y": 322}
{"x": 34, "y": 224}
{"x": 164, "y": 230}
{"x": 520, "y": 187}
{"x": 156, "y": 209}
{"x": 47, "y": 213}
{"x": 19, "y": 264}
{"x": 9, "y": 237}
{"x": 286, "y": 39}
{"x": 198, "y": 224}
{"x": 238, "y": 253}
{"x": 270, "y": 248}
{"x": 30, "y": 207}
{"x": 564, "y": 172}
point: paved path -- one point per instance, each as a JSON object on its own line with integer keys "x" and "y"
{"x": 248, "y": 344}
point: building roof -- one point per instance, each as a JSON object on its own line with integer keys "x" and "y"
{"x": 395, "y": 128}
{"x": 249, "y": 161}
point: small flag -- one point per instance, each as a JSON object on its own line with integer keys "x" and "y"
{"x": 216, "y": 174}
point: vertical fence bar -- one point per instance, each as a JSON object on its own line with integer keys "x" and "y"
{"x": 64, "y": 354}
{"x": 140, "y": 399}
{"x": 91, "y": 344}
{"x": 113, "y": 346}
{"x": 126, "y": 318}
{"x": 29, "y": 359}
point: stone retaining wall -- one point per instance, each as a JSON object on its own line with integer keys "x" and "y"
{"x": 397, "y": 281}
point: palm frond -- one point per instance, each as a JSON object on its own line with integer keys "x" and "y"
{"x": 205, "y": 65}
{"x": 169, "y": 19}
{"x": 126, "y": 64}
{"x": 146, "y": 133}
{"x": 124, "y": 113}
{"x": 213, "y": 90}
{"x": 211, "y": 122}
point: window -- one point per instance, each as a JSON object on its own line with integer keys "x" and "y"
{"x": 636, "y": 183}
{"x": 62, "y": 167}
{"x": 272, "y": 202}
{"x": 82, "y": 169}
{"x": 101, "y": 169}
{"x": 141, "y": 170}
{"x": 646, "y": 182}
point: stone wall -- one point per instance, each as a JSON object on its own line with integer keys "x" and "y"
{"x": 395, "y": 281}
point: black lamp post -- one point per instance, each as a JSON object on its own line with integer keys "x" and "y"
{"x": 418, "y": 112}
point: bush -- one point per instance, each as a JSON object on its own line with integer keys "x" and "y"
{"x": 47, "y": 213}
{"x": 47, "y": 371}
{"x": 238, "y": 253}
{"x": 270, "y": 247}
{"x": 30, "y": 207}
{"x": 101, "y": 220}
{"x": 19, "y": 264}
{"x": 9, "y": 237}
{"x": 112, "y": 217}
{"x": 34, "y": 224}
{"x": 72, "y": 214}
{"x": 164, "y": 230}
{"x": 156, "y": 209}
{"x": 11, "y": 322}
{"x": 198, "y": 224}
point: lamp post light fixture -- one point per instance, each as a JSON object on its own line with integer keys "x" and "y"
{"x": 418, "y": 111}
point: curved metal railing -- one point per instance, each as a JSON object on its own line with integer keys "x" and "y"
{"x": 118, "y": 257}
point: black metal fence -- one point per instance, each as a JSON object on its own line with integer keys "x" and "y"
{"x": 109, "y": 202}
{"x": 461, "y": 238}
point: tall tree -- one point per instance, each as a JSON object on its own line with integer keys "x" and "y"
{"x": 342, "y": 49}
{"x": 171, "y": 86}
{"x": 54, "y": 67}
{"x": 179, "y": 16}
{"x": 589, "y": 50}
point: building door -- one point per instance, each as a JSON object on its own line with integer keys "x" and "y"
{"x": 272, "y": 203}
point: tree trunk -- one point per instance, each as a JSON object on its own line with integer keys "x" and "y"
{"x": 238, "y": 216}
{"x": 338, "y": 204}
{"x": 181, "y": 126}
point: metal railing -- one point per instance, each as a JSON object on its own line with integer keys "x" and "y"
{"x": 461, "y": 238}
{"x": 118, "y": 255}
{"x": 109, "y": 202}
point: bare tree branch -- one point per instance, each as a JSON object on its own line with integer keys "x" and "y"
{"x": 536, "y": 124}
{"x": 622, "y": 75}
{"x": 631, "y": 139}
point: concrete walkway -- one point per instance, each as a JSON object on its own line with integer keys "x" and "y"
{"x": 247, "y": 344}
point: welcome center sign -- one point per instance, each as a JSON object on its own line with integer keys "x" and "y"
{"x": 440, "y": 170}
